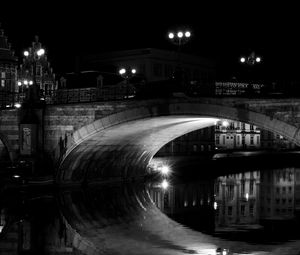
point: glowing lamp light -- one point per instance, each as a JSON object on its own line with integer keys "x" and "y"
{"x": 25, "y": 82}
{"x": 165, "y": 170}
{"x": 258, "y": 59}
{"x": 187, "y": 34}
{"x": 164, "y": 184}
{"x": 26, "y": 53}
{"x": 19, "y": 83}
{"x": 16, "y": 176}
{"x": 225, "y": 123}
{"x": 17, "y": 105}
{"x": 215, "y": 205}
{"x": 171, "y": 35}
{"x": 40, "y": 52}
{"x": 30, "y": 82}
{"x": 247, "y": 196}
{"x": 133, "y": 71}
{"x": 180, "y": 34}
{"x": 243, "y": 60}
{"x": 122, "y": 71}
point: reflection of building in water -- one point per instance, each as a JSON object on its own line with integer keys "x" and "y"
{"x": 237, "y": 199}
{"x": 280, "y": 193}
{"x": 182, "y": 198}
{"x": 192, "y": 143}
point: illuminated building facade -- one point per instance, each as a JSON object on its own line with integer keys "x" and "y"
{"x": 236, "y": 135}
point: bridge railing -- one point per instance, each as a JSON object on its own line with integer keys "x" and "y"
{"x": 123, "y": 91}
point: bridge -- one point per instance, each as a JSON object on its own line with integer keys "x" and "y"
{"x": 117, "y": 139}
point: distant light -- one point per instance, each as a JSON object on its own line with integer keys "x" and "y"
{"x": 40, "y": 52}
{"x": 187, "y": 34}
{"x": 258, "y": 59}
{"x": 225, "y": 123}
{"x": 7, "y": 106}
{"x": 171, "y": 35}
{"x": 25, "y": 82}
{"x": 122, "y": 71}
{"x": 42, "y": 98}
{"x": 1, "y": 228}
{"x": 243, "y": 60}
{"x": 180, "y": 34}
{"x": 30, "y": 82}
{"x": 17, "y": 105}
{"x": 133, "y": 71}
{"x": 165, "y": 170}
{"x": 16, "y": 176}
{"x": 215, "y": 205}
{"x": 19, "y": 83}
{"x": 164, "y": 184}
{"x": 247, "y": 196}
{"x": 26, "y": 53}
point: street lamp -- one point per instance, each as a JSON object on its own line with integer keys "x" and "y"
{"x": 32, "y": 56}
{"x": 251, "y": 60}
{"x": 179, "y": 38}
{"x": 127, "y": 73}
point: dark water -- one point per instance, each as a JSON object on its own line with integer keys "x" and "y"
{"x": 249, "y": 210}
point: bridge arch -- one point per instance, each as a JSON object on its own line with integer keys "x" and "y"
{"x": 121, "y": 144}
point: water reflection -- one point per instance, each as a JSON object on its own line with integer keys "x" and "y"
{"x": 231, "y": 213}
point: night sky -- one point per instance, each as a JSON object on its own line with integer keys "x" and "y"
{"x": 222, "y": 33}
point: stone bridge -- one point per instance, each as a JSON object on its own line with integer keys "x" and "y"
{"x": 117, "y": 139}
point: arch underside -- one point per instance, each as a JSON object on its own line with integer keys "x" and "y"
{"x": 124, "y": 149}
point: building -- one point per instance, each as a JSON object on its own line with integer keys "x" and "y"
{"x": 8, "y": 72}
{"x": 236, "y": 135}
{"x": 154, "y": 64}
{"x": 194, "y": 143}
{"x": 36, "y": 69}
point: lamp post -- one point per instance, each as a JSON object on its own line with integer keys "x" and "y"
{"x": 179, "y": 38}
{"x": 32, "y": 56}
{"x": 250, "y": 61}
{"x": 127, "y": 73}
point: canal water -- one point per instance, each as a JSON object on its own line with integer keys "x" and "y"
{"x": 227, "y": 205}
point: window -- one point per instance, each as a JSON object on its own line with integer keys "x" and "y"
{"x": 243, "y": 210}
{"x": 252, "y": 140}
{"x": 195, "y": 148}
{"x": 251, "y": 187}
{"x": 251, "y": 210}
{"x": 238, "y": 140}
{"x": 229, "y": 210}
{"x": 157, "y": 69}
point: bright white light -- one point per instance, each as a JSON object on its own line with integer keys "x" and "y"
{"x": 40, "y": 52}
{"x": 16, "y": 176}
{"x": 25, "y": 82}
{"x": 242, "y": 59}
{"x": 180, "y": 34}
{"x": 258, "y": 59}
{"x": 247, "y": 196}
{"x": 17, "y": 105}
{"x": 30, "y": 82}
{"x": 171, "y": 35}
{"x": 215, "y": 205}
{"x": 187, "y": 34}
{"x": 122, "y": 71}
{"x": 1, "y": 228}
{"x": 164, "y": 184}
{"x": 19, "y": 83}
{"x": 165, "y": 170}
{"x": 133, "y": 71}
{"x": 7, "y": 106}
{"x": 26, "y": 53}
{"x": 225, "y": 123}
